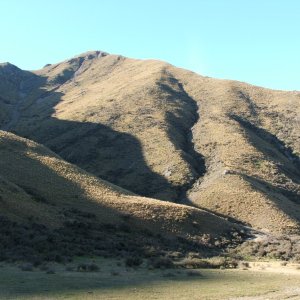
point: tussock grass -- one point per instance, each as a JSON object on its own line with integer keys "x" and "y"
{"x": 123, "y": 132}
{"x": 53, "y": 211}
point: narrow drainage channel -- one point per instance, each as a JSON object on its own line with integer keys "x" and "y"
{"x": 199, "y": 161}
{"x": 193, "y": 158}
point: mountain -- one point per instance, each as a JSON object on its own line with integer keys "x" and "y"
{"x": 224, "y": 151}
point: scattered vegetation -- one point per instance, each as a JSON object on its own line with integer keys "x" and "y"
{"x": 193, "y": 274}
{"x": 284, "y": 247}
{"x": 243, "y": 142}
{"x": 26, "y": 267}
{"x": 92, "y": 267}
{"x": 161, "y": 263}
{"x": 133, "y": 261}
{"x": 212, "y": 263}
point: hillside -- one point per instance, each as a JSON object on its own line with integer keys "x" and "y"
{"x": 42, "y": 197}
{"x": 165, "y": 133}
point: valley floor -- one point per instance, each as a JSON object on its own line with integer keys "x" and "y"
{"x": 262, "y": 280}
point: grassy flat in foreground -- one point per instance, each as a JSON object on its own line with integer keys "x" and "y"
{"x": 117, "y": 282}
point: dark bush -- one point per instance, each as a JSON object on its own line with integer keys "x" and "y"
{"x": 44, "y": 267}
{"x": 169, "y": 275}
{"x": 87, "y": 268}
{"x": 50, "y": 271}
{"x": 69, "y": 268}
{"x": 133, "y": 261}
{"x": 195, "y": 263}
{"x": 193, "y": 274}
{"x": 115, "y": 273}
{"x": 27, "y": 267}
{"x": 161, "y": 263}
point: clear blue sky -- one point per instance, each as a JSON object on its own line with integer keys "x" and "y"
{"x": 256, "y": 41}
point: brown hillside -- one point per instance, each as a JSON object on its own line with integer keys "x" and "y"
{"x": 167, "y": 133}
{"x": 250, "y": 139}
{"x": 38, "y": 188}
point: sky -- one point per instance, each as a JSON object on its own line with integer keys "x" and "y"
{"x": 256, "y": 41}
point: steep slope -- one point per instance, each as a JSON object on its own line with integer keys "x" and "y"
{"x": 115, "y": 118}
{"x": 42, "y": 196}
{"x": 170, "y": 134}
{"x": 250, "y": 139}
{"x": 11, "y": 85}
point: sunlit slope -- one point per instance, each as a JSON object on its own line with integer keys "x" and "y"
{"x": 249, "y": 137}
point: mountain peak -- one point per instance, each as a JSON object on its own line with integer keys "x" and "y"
{"x": 86, "y": 56}
{"x": 91, "y": 54}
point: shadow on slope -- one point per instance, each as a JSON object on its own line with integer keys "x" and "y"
{"x": 180, "y": 131}
{"x": 283, "y": 195}
{"x": 287, "y": 201}
{"x": 114, "y": 156}
{"x": 95, "y": 218}
{"x": 273, "y": 148}
{"x": 118, "y": 156}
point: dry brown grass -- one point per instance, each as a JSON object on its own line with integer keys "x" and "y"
{"x": 38, "y": 187}
{"x": 252, "y": 161}
{"x": 134, "y": 123}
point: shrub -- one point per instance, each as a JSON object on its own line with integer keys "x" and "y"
{"x": 244, "y": 264}
{"x": 87, "y": 268}
{"x": 168, "y": 275}
{"x": 115, "y": 273}
{"x": 93, "y": 268}
{"x": 232, "y": 264}
{"x": 44, "y": 267}
{"x": 37, "y": 262}
{"x": 50, "y": 271}
{"x": 213, "y": 263}
{"x": 27, "y": 267}
{"x": 162, "y": 263}
{"x": 193, "y": 274}
{"x": 133, "y": 261}
{"x": 195, "y": 263}
{"x": 69, "y": 268}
